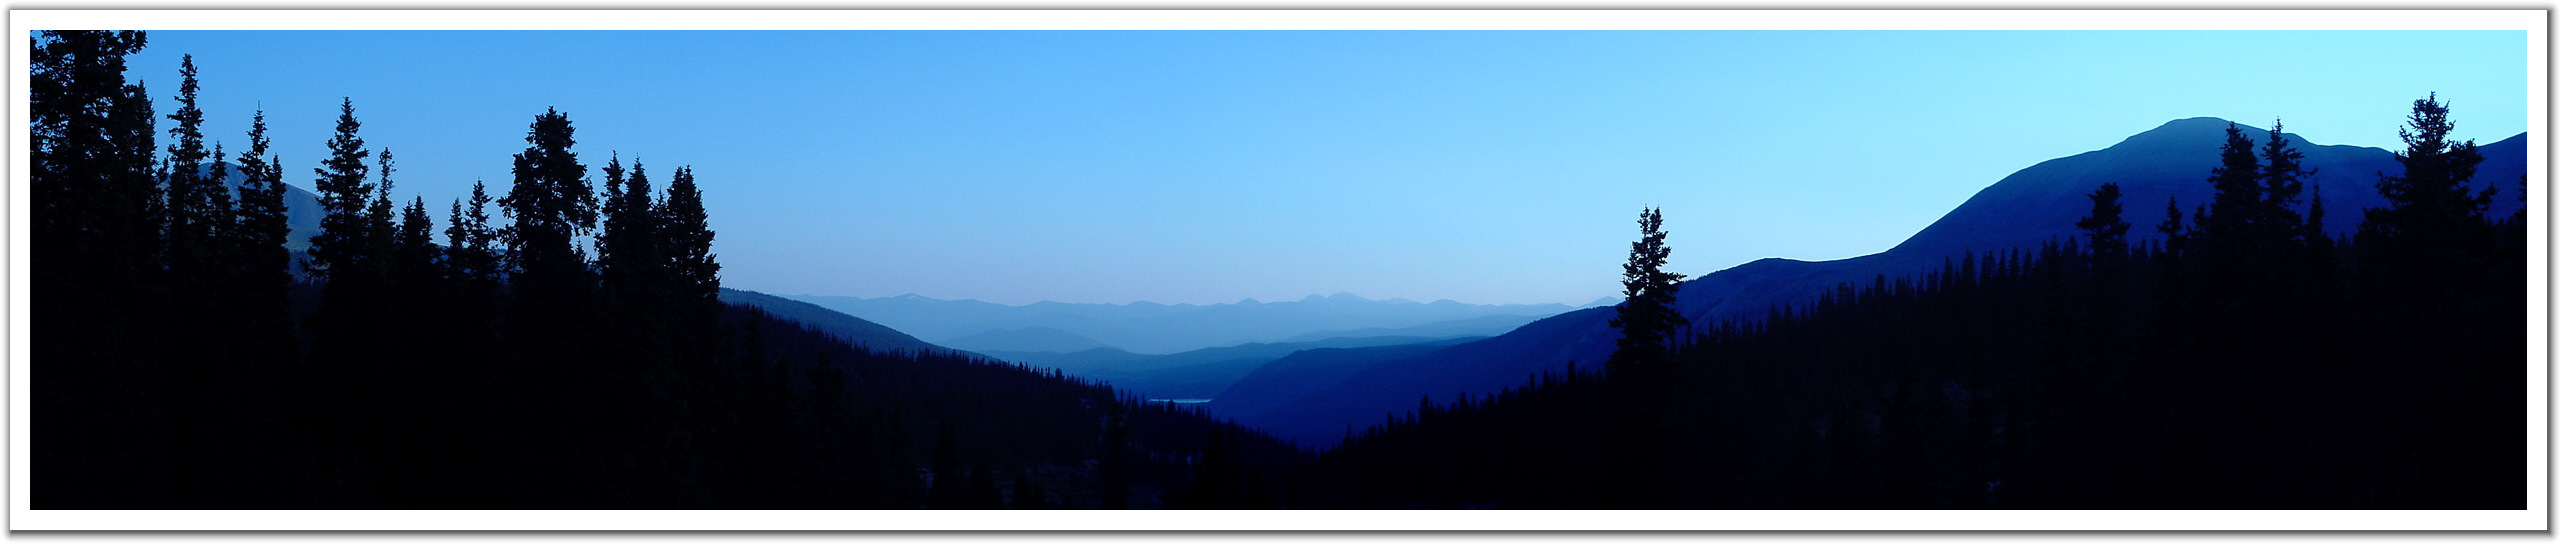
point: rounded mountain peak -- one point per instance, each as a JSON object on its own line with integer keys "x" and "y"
{"x": 2184, "y": 133}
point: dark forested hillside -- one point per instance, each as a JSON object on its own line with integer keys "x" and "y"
{"x": 960, "y": 417}
{"x": 577, "y": 356}
{"x": 854, "y": 330}
{"x": 205, "y": 336}
{"x": 2248, "y": 360}
{"x": 2026, "y": 208}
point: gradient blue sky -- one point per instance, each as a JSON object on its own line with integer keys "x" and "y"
{"x": 1200, "y": 166}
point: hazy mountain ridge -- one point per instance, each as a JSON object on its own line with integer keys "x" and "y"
{"x": 1153, "y": 328}
{"x": 1027, "y": 340}
{"x": 1200, "y": 373}
{"x": 2022, "y": 210}
{"x": 1474, "y": 326}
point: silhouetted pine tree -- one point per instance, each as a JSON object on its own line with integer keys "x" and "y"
{"x": 259, "y": 263}
{"x": 138, "y": 178}
{"x": 413, "y": 250}
{"x": 2173, "y": 229}
{"x": 2283, "y": 177}
{"x": 1646, "y": 321}
{"x": 382, "y": 229}
{"x": 2225, "y": 223}
{"x": 2429, "y": 203}
{"x": 471, "y": 252}
{"x": 627, "y": 247}
{"x": 199, "y": 205}
{"x": 552, "y": 204}
{"x": 218, "y": 383}
{"x": 93, "y": 228}
{"x": 685, "y": 229}
{"x": 2105, "y": 225}
{"x": 1640, "y": 367}
{"x": 348, "y": 326}
{"x": 2421, "y": 265}
{"x": 547, "y": 319}
{"x": 343, "y": 237}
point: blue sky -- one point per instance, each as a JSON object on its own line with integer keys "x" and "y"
{"x": 1199, "y": 166}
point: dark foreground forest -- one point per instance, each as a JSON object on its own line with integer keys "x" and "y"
{"x": 565, "y": 347}
{"x": 577, "y": 357}
{"x": 2251, "y": 361}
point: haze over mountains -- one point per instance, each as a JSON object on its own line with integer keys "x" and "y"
{"x": 2023, "y": 210}
{"x": 1307, "y": 369}
{"x": 1152, "y": 328}
{"x": 1202, "y": 373}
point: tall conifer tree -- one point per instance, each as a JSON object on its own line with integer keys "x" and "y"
{"x": 260, "y": 262}
{"x": 382, "y": 227}
{"x": 552, "y": 204}
{"x": 93, "y": 234}
{"x": 1647, "y": 322}
{"x": 198, "y": 205}
{"x": 344, "y": 194}
{"x": 2106, "y": 224}
{"x": 2226, "y": 221}
{"x": 2429, "y": 202}
{"x": 686, "y": 230}
{"x": 2284, "y": 175}
{"x": 470, "y": 243}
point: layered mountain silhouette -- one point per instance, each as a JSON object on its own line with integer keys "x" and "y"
{"x": 1151, "y": 328}
{"x": 1200, "y": 373}
{"x": 1196, "y": 374}
{"x": 1027, "y": 339}
{"x": 2024, "y": 210}
{"x": 1474, "y": 326}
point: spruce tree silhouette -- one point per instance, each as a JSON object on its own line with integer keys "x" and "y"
{"x": 2283, "y": 176}
{"x": 2429, "y": 203}
{"x": 197, "y": 210}
{"x": 2420, "y": 261}
{"x": 335, "y": 392}
{"x": 260, "y": 264}
{"x": 1646, "y": 321}
{"x": 94, "y": 234}
{"x": 2173, "y": 229}
{"x": 688, "y": 266}
{"x": 2105, "y": 225}
{"x": 1640, "y": 369}
{"x": 343, "y": 192}
{"x": 2224, "y": 223}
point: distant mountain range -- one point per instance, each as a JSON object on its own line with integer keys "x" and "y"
{"x": 1474, "y": 326}
{"x": 1028, "y": 339}
{"x": 2023, "y": 210}
{"x": 1151, "y": 328}
{"x": 1196, "y": 374}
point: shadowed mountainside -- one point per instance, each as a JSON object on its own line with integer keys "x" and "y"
{"x": 852, "y": 330}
